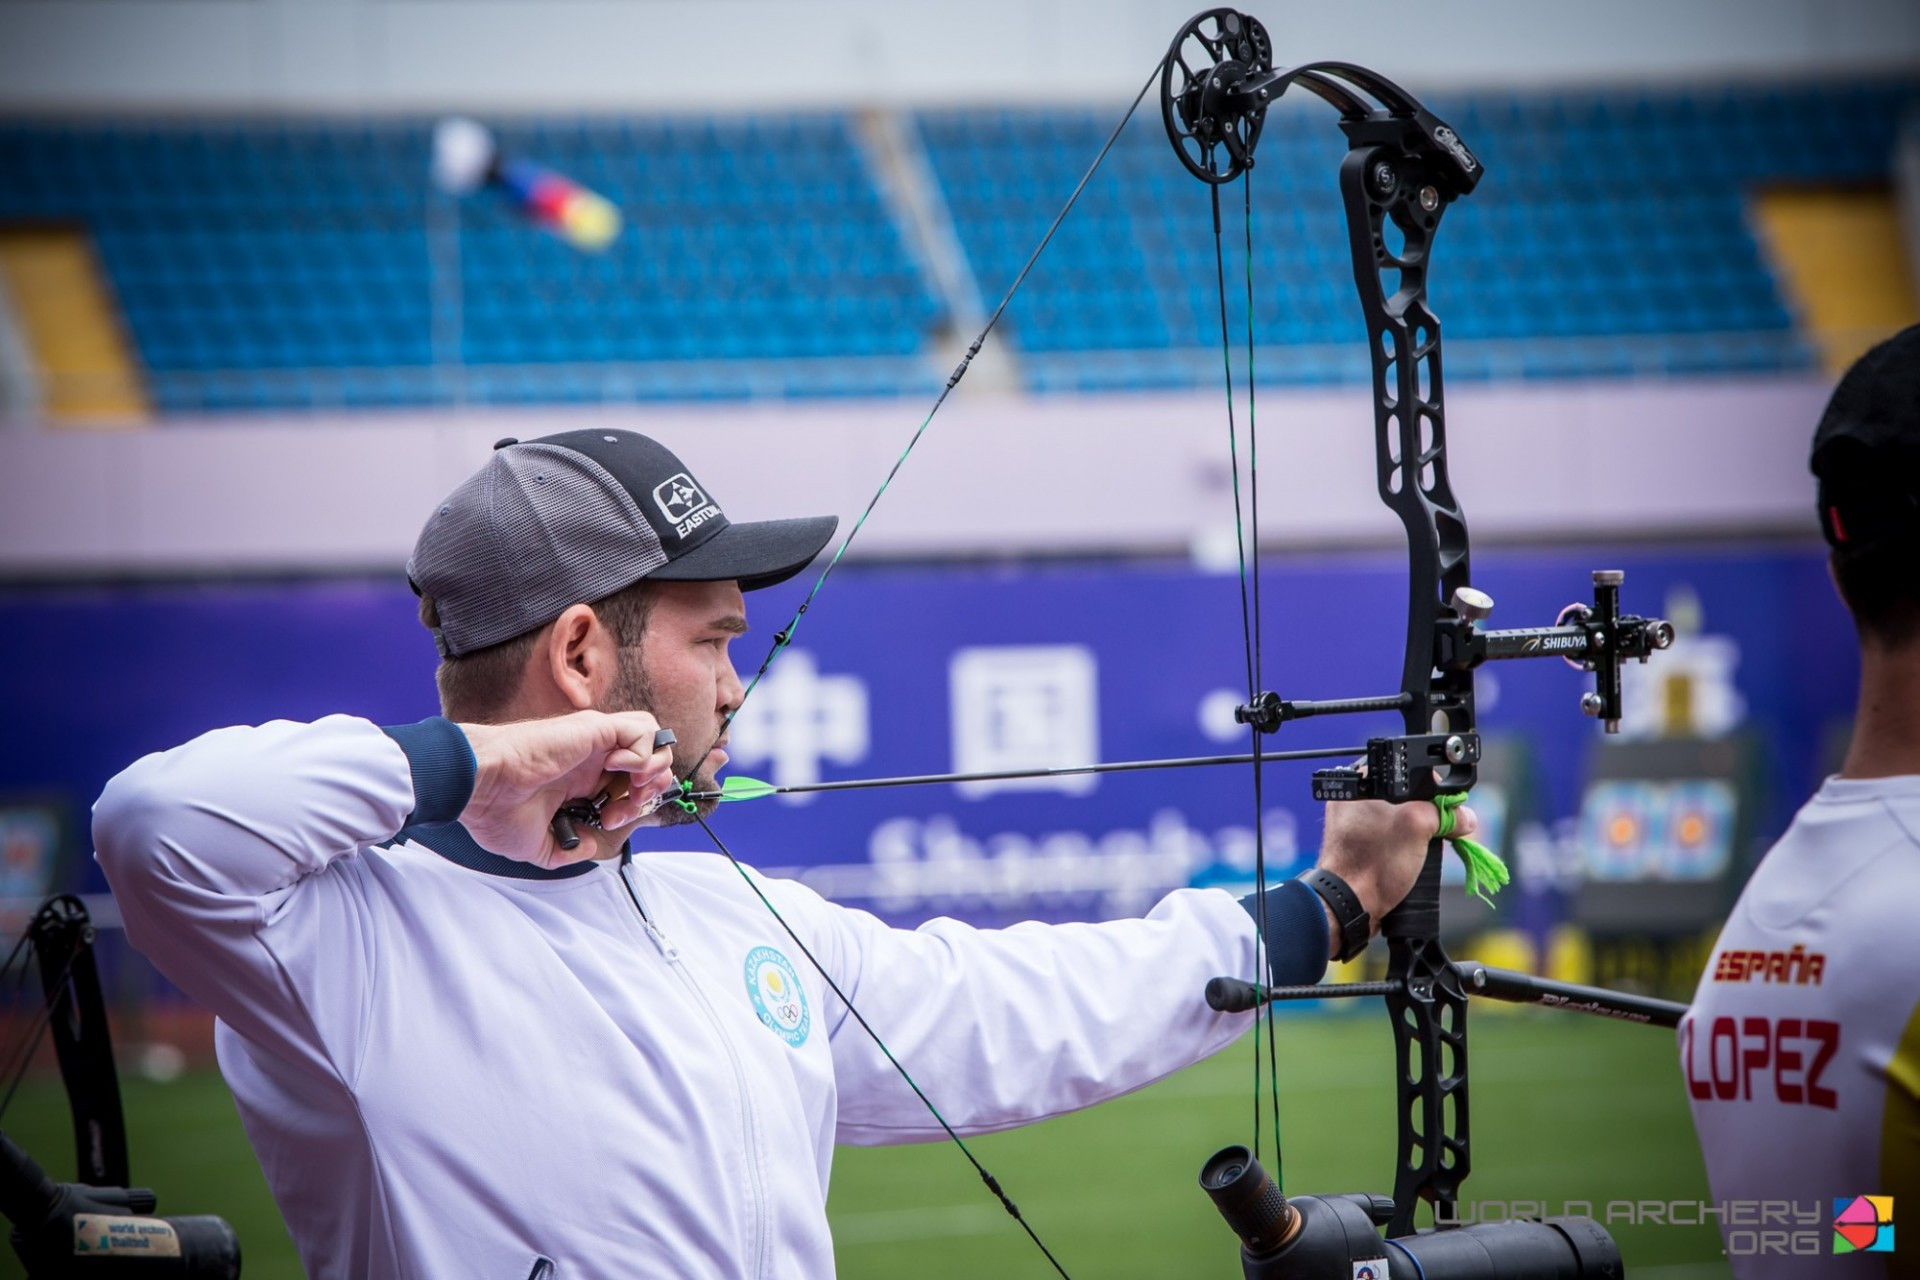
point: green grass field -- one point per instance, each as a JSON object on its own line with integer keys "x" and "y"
{"x": 1563, "y": 1107}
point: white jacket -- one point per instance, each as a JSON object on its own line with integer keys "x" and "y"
{"x": 450, "y": 1073}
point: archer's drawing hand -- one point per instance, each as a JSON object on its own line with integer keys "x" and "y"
{"x": 1378, "y": 848}
{"x": 525, "y": 771}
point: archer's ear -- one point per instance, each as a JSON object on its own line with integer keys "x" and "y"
{"x": 580, "y": 657}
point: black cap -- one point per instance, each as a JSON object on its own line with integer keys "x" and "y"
{"x": 1866, "y": 451}
{"x": 572, "y": 518}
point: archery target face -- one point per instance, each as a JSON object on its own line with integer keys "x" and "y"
{"x": 1618, "y": 825}
{"x": 1699, "y": 829}
{"x": 1636, "y": 830}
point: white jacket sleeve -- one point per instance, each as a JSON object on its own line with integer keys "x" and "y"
{"x": 218, "y": 854}
{"x": 1004, "y": 1027}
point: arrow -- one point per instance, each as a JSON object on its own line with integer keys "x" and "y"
{"x": 739, "y": 788}
{"x": 1486, "y": 873}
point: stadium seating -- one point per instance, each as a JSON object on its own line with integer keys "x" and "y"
{"x": 1610, "y": 235}
{"x": 308, "y": 263}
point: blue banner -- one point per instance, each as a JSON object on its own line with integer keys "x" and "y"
{"x": 903, "y": 670}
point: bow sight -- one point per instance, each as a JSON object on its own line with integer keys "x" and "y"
{"x": 1403, "y": 169}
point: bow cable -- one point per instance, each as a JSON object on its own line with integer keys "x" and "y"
{"x": 1260, "y": 682}
{"x": 1249, "y": 567}
{"x": 20, "y": 1057}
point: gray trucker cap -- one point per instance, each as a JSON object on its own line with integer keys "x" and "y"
{"x": 572, "y": 518}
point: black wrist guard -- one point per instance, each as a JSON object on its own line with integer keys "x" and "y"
{"x": 1355, "y": 924}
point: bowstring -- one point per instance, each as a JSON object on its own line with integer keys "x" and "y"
{"x": 784, "y": 638}
{"x": 20, "y": 1056}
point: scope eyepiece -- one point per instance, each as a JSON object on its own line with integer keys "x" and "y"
{"x": 1248, "y": 1199}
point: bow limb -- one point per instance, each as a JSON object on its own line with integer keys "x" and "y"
{"x": 61, "y": 935}
{"x": 1381, "y": 182}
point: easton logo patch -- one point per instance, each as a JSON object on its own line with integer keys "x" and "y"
{"x": 684, "y": 503}
{"x": 778, "y": 998}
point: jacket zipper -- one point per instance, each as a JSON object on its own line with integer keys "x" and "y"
{"x": 749, "y": 1121}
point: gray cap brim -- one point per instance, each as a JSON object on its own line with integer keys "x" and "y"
{"x": 756, "y": 554}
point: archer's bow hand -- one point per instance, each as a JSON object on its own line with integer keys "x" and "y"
{"x": 1379, "y": 848}
{"x": 526, "y": 771}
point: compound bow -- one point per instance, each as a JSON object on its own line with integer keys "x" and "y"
{"x": 1403, "y": 169}
{"x": 99, "y": 1215}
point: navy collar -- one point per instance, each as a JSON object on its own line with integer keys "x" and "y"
{"x": 454, "y": 843}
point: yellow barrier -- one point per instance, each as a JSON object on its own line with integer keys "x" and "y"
{"x": 72, "y": 327}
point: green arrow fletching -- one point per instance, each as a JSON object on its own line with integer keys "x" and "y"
{"x": 738, "y": 788}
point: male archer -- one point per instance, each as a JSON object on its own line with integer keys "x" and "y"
{"x": 461, "y": 1049}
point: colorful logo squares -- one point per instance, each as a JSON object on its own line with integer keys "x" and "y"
{"x": 1863, "y": 1224}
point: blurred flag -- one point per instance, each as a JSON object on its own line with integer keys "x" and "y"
{"x": 466, "y": 157}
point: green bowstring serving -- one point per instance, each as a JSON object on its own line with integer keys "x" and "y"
{"x": 1486, "y": 873}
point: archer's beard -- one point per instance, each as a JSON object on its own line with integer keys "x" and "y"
{"x": 632, "y": 691}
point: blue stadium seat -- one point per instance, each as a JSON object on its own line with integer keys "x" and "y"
{"x": 1611, "y": 237}
{"x": 1610, "y": 220}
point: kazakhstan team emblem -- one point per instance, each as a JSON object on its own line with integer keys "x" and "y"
{"x": 778, "y": 998}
